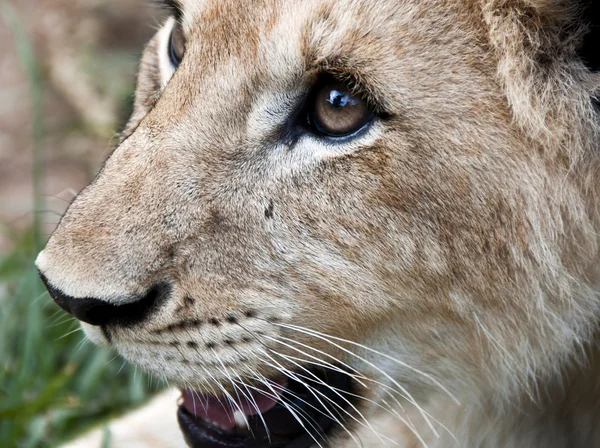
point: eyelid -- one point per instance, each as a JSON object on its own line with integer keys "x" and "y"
{"x": 358, "y": 83}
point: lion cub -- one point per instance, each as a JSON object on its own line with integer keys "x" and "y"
{"x": 354, "y": 222}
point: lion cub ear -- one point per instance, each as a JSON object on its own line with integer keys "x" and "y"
{"x": 575, "y": 19}
{"x": 543, "y": 46}
{"x": 548, "y": 31}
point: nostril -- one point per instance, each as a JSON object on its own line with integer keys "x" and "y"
{"x": 91, "y": 311}
{"x": 99, "y": 312}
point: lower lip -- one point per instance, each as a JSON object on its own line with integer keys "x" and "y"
{"x": 284, "y": 431}
{"x": 199, "y": 434}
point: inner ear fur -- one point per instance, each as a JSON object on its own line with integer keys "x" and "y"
{"x": 550, "y": 29}
{"x": 547, "y": 64}
{"x": 581, "y": 18}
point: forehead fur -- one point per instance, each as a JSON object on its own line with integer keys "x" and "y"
{"x": 286, "y": 39}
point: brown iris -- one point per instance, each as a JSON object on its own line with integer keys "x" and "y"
{"x": 336, "y": 112}
{"x": 177, "y": 44}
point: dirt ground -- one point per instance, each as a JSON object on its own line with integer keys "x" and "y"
{"x": 87, "y": 52}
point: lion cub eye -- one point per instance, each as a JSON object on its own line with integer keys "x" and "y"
{"x": 176, "y": 45}
{"x": 336, "y": 112}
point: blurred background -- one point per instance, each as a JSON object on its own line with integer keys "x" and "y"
{"x": 67, "y": 72}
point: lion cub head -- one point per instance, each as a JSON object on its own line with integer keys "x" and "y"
{"x": 322, "y": 209}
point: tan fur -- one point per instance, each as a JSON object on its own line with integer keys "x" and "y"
{"x": 459, "y": 236}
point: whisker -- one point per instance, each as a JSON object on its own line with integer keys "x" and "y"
{"x": 267, "y": 383}
{"x": 227, "y": 395}
{"x": 282, "y": 369}
{"x": 391, "y": 358}
{"x": 235, "y": 388}
{"x": 81, "y": 344}
{"x": 70, "y": 333}
{"x": 121, "y": 368}
{"x": 112, "y": 359}
{"x": 336, "y": 391}
{"x": 388, "y": 408}
{"x": 61, "y": 320}
{"x": 213, "y": 379}
{"x": 252, "y": 400}
{"x": 387, "y": 389}
{"x": 357, "y": 377}
{"x": 312, "y": 391}
{"x": 409, "y": 396}
{"x": 284, "y": 401}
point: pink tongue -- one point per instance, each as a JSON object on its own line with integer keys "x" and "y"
{"x": 220, "y": 411}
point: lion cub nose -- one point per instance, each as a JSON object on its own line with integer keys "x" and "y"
{"x": 100, "y": 312}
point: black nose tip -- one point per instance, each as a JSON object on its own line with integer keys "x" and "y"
{"x": 100, "y": 312}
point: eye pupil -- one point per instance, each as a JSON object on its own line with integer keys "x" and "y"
{"x": 338, "y": 99}
{"x": 336, "y": 112}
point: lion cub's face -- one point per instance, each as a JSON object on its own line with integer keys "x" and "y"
{"x": 301, "y": 174}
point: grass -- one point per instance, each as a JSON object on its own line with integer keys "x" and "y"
{"x": 53, "y": 385}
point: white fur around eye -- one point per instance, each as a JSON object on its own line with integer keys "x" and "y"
{"x": 310, "y": 150}
{"x": 165, "y": 66}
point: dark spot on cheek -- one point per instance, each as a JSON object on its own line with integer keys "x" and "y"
{"x": 214, "y": 322}
{"x": 192, "y": 344}
{"x": 246, "y": 339}
{"x": 229, "y": 342}
{"x": 189, "y": 300}
{"x": 250, "y": 314}
{"x": 216, "y": 222}
{"x": 269, "y": 210}
{"x": 171, "y": 252}
{"x": 210, "y": 345}
{"x": 232, "y": 319}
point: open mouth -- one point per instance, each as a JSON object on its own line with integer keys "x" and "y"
{"x": 296, "y": 413}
